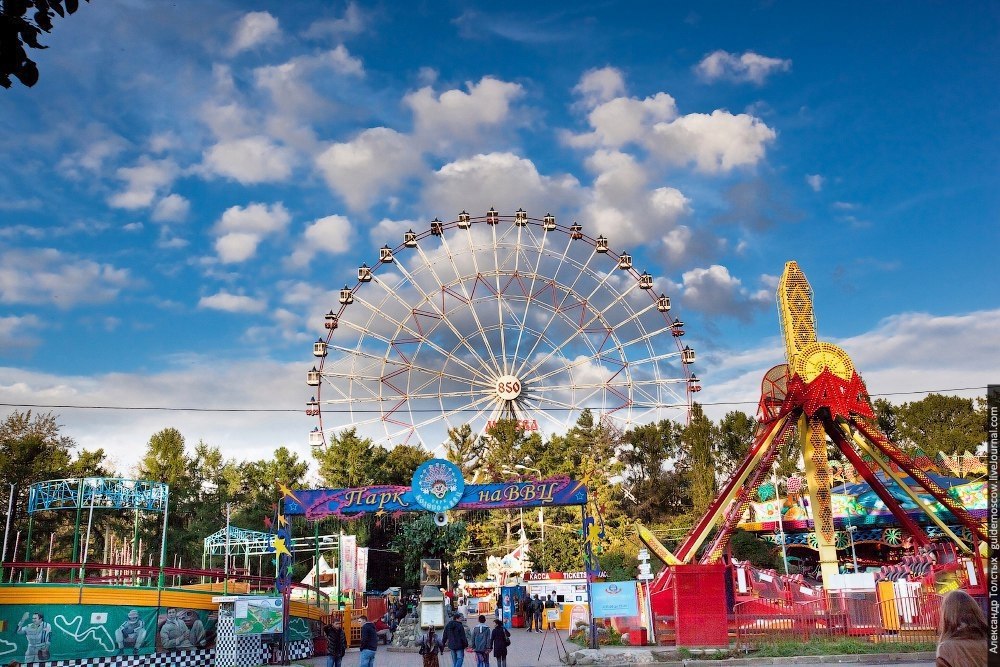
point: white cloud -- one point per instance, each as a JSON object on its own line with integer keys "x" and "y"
{"x": 625, "y": 120}
{"x": 255, "y": 217}
{"x": 622, "y": 207}
{"x": 458, "y": 116}
{"x": 237, "y": 247}
{"x": 716, "y": 142}
{"x": 497, "y": 179}
{"x": 241, "y": 229}
{"x": 600, "y": 85}
{"x": 391, "y": 231}
{"x": 19, "y": 331}
{"x": 143, "y": 182}
{"x": 748, "y": 67}
{"x": 198, "y": 382}
{"x": 231, "y": 303}
{"x": 55, "y": 278}
{"x": 362, "y": 169}
{"x": 254, "y": 29}
{"x": 250, "y": 160}
{"x": 353, "y": 22}
{"x": 901, "y": 353}
{"x": 714, "y": 291}
{"x": 815, "y": 181}
{"x": 172, "y": 208}
{"x": 332, "y": 235}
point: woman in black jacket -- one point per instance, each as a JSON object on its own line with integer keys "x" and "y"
{"x": 499, "y": 641}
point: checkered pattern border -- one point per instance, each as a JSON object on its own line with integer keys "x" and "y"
{"x": 193, "y": 658}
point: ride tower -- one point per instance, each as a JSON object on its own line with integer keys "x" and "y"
{"x": 818, "y": 398}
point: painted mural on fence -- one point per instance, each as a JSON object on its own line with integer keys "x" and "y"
{"x": 178, "y": 628}
{"x": 52, "y": 632}
{"x": 353, "y": 503}
{"x": 39, "y": 632}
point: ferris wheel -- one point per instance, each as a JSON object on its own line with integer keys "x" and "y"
{"x": 492, "y": 318}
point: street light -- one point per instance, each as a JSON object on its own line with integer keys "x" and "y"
{"x": 854, "y": 556}
{"x": 781, "y": 525}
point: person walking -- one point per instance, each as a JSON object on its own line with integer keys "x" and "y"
{"x": 456, "y": 641}
{"x": 963, "y": 631}
{"x": 499, "y": 641}
{"x": 481, "y": 642}
{"x": 369, "y": 643}
{"x": 336, "y": 643}
{"x": 536, "y": 612}
{"x": 430, "y": 647}
{"x": 526, "y": 611}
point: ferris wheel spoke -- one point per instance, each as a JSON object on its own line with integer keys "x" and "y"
{"x": 597, "y": 316}
{"x": 402, "y": 326}
{"x": 461, "y": 278}
{"x": 470, "y": 406}
{"x": 566, "y": 293}
{"x": 402, "y": 366}
{"x": 531, "y": 288}
{"x": 570, "y": 290}
{"x": 499, "y": 294}
{"x": 429, "y": 299}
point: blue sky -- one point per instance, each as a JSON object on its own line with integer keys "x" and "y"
{"x": 187, "y": 188}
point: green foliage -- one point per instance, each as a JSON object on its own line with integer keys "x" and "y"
{"x": 421, "y": 538}
{"x": 619, "y": 565}
{"x": 837, "y": 646}
{"x": 940, "y": 423}
{"x": 747, "y": 546}
{"x": 351, "y": 461}
{"x": 698, "y": 438}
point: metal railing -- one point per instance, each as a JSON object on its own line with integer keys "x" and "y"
{"x": 908, "y": 619}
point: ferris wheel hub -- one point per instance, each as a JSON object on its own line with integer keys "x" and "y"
{"x": 508, "y": 387}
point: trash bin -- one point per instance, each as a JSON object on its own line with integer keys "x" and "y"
{"x": 638, "y": 637}
{"x": 517, "y": 621}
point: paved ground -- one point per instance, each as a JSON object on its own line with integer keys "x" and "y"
{"x": 524, "y": 652}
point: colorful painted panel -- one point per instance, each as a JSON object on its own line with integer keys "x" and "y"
{"x": 351, "y": 503}
{"x": 178, "y": 628}
{"x": 258, "y": 616}
{"x": 973, "y": 496}
{"x": 54, "y": 632}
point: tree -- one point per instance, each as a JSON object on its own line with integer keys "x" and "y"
{"x": 886, "y": 416}
{"x": 940, "y": 423}
{"x": 735, "y": 437}
{"x": 464, "y": 449}
{"x": 699, "y": 439}
{"x": 421, "y": 538}
{"x": 348, "y": 461}
{"x": 18, "y": 29}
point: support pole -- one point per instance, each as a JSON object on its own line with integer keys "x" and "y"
{"x": 6, "y": 531}
{"x": 316, "y": 557}
{"x": 76, "y": 526}
{"x": 225, "y": 567}
{"x": 163, "y": 537}
{"x": 781, "y": 523}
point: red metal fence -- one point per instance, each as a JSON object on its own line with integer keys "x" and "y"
{"x": 859, "y": 615}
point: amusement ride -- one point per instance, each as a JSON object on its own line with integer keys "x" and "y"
{"x": 496, "y": 317}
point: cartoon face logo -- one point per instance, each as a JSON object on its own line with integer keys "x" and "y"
{"x": 439, "y": 489}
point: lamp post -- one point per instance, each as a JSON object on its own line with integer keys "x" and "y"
{"x": 854, "y": 556}
{"x": 645, "y": 575}
{"x": 781, "y": 525}
{"x": 541, "y": 510}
